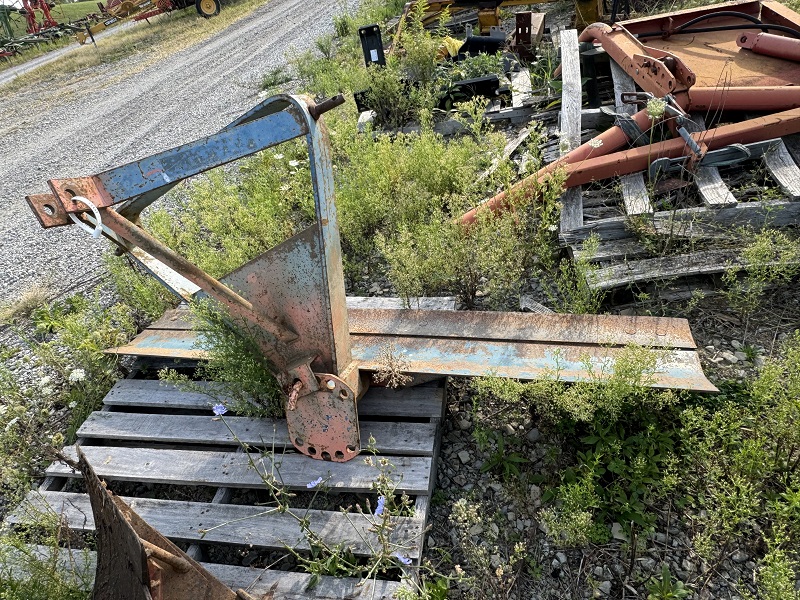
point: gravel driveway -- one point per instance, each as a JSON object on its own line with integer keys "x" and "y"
{"x": 103, "y": 117}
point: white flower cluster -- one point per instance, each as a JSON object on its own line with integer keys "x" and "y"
{"x": 77, "y": 376}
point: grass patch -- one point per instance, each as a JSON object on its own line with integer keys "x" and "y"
{"x": 31, "y": 299}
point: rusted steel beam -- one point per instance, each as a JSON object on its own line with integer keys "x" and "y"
{"x": 526, "y": 346}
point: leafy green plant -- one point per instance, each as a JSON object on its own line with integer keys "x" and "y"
{"x": 275, "y": 78}
{"x": 777, "y": 571}
{"x": 501, "y": 461}
{"x": 771, "y": 258}
{"x": 141, "y": 291}
{"x": 665, "y": 588}
{"x": 574, "y": 282}
{"x": 239, "y": 376}
{"x": 493, "y": 563}
{"x": 42, "y": 572}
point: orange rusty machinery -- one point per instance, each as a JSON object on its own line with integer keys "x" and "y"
{"x": 728, "y": 61}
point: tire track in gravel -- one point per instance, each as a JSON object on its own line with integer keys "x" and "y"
{"x": 113, "y": 120}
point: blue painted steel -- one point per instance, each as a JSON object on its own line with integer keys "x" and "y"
{"x": 270, "y": 106}
{"x": 164, "y": 169}
{"x": 675, "y": 369}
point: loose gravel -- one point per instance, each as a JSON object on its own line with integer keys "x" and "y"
{"x": 94, "y": 120}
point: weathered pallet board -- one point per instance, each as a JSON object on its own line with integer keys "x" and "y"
{"x": 634, "y": 190}
{"x": 784, "y": 170}
{"x": 614, "y": 250}
{"x": 412, "y": 439}
{"x": 667, "y": 267}
{"x": 570, "y": 122}
{"x": 149, "y": 433}
{"x": 712, "y": 189}
{"x": 635, "y": 196}
{"x": 773, "y": 213}
{"x": 289, "y": 586}
{"x": 254, "y": 526}
{"x": 231, "y": 469}
{"x": 421, "y": 402}
{"x": 520, "y": 86}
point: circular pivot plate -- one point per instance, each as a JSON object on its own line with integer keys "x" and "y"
{"x": 324, "y": 424}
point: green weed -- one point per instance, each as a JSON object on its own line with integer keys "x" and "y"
{"x": 665, "y": 588}
{"x": 240, "y": 375}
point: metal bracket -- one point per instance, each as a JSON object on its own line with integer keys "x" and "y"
{"x": 724, "y": 157}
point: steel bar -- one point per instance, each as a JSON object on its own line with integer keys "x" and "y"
{"x": 602, "y": 330}
{"x": 161, "y": 170}
{"x": 238, "y": 306}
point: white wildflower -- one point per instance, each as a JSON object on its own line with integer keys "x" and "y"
{"x": 656, "y": 108}
{"x": 45, "y": 381}
{"x": 278, "y": 156}
{"x": 595, "y": 143}
{"x": 294, "y": 163}
{"x": 46, "y": 391}
{"x": 77, "y": 375}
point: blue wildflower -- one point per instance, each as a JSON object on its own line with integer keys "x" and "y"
{"x": 403, "y": 559}
{"x": 219, "y": 409}
{"x": 314, "y": 483}
{"x": 379, "y": 507}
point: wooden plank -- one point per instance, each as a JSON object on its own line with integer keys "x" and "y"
{"x": 413, "y": 439}
{"x": 520, "y": 86}
{"x": 667, "y": 267}
{"x": 295, "y": 586}
{"x": 255, "y": 526}
{"x": 570, "y": 122}
{"x": 229, "y": 469}
{"x": 180, "y": 318}
{"x": 290, "y": 586}
{"x": 419, "y": 402}
{"x": 696, "y": 222}
{"x": 634, "y": 190}
{"x": 635, "y": 195}
{"x": 792, "y": 143}
{"x": 712, "y": 189}
{"x": 783, "y": 169}
{"x": 610, "y": 251}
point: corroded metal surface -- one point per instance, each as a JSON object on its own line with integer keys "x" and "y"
{"x": 525, "y": 346}
{"x": 324, "y": 423}
{"x": 768, "y": 44}
{"x": 134, "y": 561}
{"x": 599, "y": 165}
{"x": 517, "y": 326}
{"x": 676, "y": 369}
{"x": 700, "y": 62}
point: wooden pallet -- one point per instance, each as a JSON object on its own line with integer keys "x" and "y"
{"x": 153, "y": 433}
{"x": 703, "y": 231}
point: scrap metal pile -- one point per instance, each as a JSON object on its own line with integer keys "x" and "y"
{"x": 725, "y": 61}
